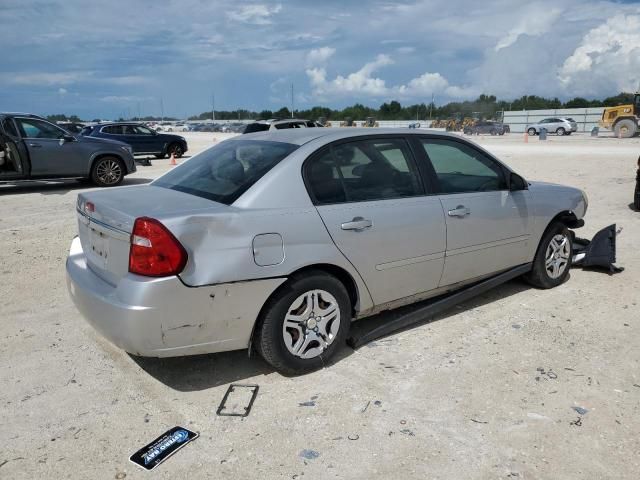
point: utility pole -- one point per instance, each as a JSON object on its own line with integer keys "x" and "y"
{"x": 213, "y": 107}
{"x": 292, "y": 105}
{"x": 139, "y": 117}
{"x": 431, "y": 106}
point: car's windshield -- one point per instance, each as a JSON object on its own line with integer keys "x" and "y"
{"x": 224, "y": 172}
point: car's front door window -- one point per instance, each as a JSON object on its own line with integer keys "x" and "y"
{"x": 142, "y": 130}
{"x": 363, "y": 171}
{"x": 460, "y": 168}
{"x": 32, "y": 128}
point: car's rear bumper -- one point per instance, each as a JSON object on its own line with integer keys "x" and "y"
{"x": 161, "y": 317}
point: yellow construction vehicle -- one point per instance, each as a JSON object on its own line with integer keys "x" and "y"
{"x": 370, "y": 122}
{"x": 624, "y": 120}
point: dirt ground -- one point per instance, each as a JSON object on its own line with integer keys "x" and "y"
{"x": 485, "y": 391}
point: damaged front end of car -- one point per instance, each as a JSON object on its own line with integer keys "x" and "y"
{"x": 599, "y": 252}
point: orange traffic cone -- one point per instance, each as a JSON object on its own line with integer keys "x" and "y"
{"x": 526, "y": 137}
{"x": 173, "y": 160}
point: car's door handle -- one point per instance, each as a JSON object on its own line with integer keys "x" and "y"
{"x": 358, "y": 224}
{"x": 35, "y": 145}
{"x": 459, "y": 211}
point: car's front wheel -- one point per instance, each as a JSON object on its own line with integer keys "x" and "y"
{"x": 107, "y": 172}
{"x": 553, "y": 258}
{"x": 176, "y": 150}
{"x": 304, "y": 323}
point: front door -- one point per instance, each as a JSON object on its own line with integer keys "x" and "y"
{"x": 141, "y": 138}
{"x": 488, "y": 228}
{"x": 50, "y": 154}
{"x": 372, "y": 201}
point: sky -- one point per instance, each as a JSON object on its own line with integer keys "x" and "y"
{"x": 104, "y": 59}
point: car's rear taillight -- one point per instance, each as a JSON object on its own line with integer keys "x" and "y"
{"x": 154, "y": 251}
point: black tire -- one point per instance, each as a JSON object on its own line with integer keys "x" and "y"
{"x": 502, "y": 133}
{"x": 539, "y": 276}
{"x": 560, "y": 131}
{"x": 625, "y": 128}
{"x": 269, "y": 337}
{"x": 176, "y": 149}
{"x": 107, "y": 172}
{"x": 531, "y": 132}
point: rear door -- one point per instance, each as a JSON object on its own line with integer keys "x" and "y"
{"x": 49, "y": 153}
{"x": 488, "y": 227}
{"x": 372, "y": 201}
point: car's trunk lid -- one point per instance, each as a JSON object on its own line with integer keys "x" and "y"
{"x": 106, "y": 218}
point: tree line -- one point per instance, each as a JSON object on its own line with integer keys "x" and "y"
{"x": 485, "y": 107}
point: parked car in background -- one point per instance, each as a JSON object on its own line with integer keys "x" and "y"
{"x": 178, "y": 127}
{"x": 72, "y": 127}
{"x": 490, "y": 127}
{"x": 277, "y": 124}
{"x": 143, "y": 140}
{"x": 290, "y": 234}
{"x": 558, "y": 125}
{"x": 33, "y": 148}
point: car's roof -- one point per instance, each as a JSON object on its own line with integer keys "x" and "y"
{"x": 20, "y": 114}
{"x": 300, "y": 136}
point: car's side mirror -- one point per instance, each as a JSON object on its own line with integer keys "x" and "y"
{"x": 517, "y": 183}
{"x": 67, "y": 138}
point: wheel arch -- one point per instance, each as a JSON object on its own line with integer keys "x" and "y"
{"x": 101, "y": 155}
{"x": 334, "y": 270}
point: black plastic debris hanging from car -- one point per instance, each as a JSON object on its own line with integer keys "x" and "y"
{"x": 237, "y": 401}
{"x": 600, "y": 251}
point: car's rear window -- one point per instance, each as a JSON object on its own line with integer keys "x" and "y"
{"x": 256, "y": 127}
{"x": 224, "y": 172}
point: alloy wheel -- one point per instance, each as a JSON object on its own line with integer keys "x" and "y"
{"x": 557, "y": 256}
{"x": 109, "y": 171}
{"x": 311, "y": 324}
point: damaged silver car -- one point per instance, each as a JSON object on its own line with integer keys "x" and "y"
{"x": 276, "y": 241}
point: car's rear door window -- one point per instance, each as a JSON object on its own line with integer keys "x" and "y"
{"x": 363, "y": 171}
{"x": 460, "y": 168}
{"x": 224, "y": 172}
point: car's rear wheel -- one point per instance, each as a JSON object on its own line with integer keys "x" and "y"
{"x": 531, "y": 132}
{"x": 176, "y": 150}
{"x": 560, "y": 131}
{"x": 553, "y": 259}
{"x": 107, "y": 172}
{"x": 304, "y": 323}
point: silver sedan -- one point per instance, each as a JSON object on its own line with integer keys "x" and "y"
{"x": 278, "y": 240}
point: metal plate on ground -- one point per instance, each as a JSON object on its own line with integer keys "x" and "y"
{"x": 153, "y": 454}
{"x": 238, "y": 400}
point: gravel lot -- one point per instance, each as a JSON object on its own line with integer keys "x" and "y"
{"x": 485, "y": 391}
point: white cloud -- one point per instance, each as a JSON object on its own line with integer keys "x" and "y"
{"x": 536, "y": 21}
{"x": 360, "y": 82}
{"x": 363, "y": 83}
{"x": 608, "y": 57}
{"x": 46, "y": 78}
{"x": 257, "y": 14}
{"x": 319, "y": 56}
{"x": 123, "y": 99}
{"x": 62, "y": 91}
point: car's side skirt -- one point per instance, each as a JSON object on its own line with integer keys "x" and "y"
{"x": 361, "y": 333}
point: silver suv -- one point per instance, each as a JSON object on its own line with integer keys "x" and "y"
{"x": 558, "y": 125}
